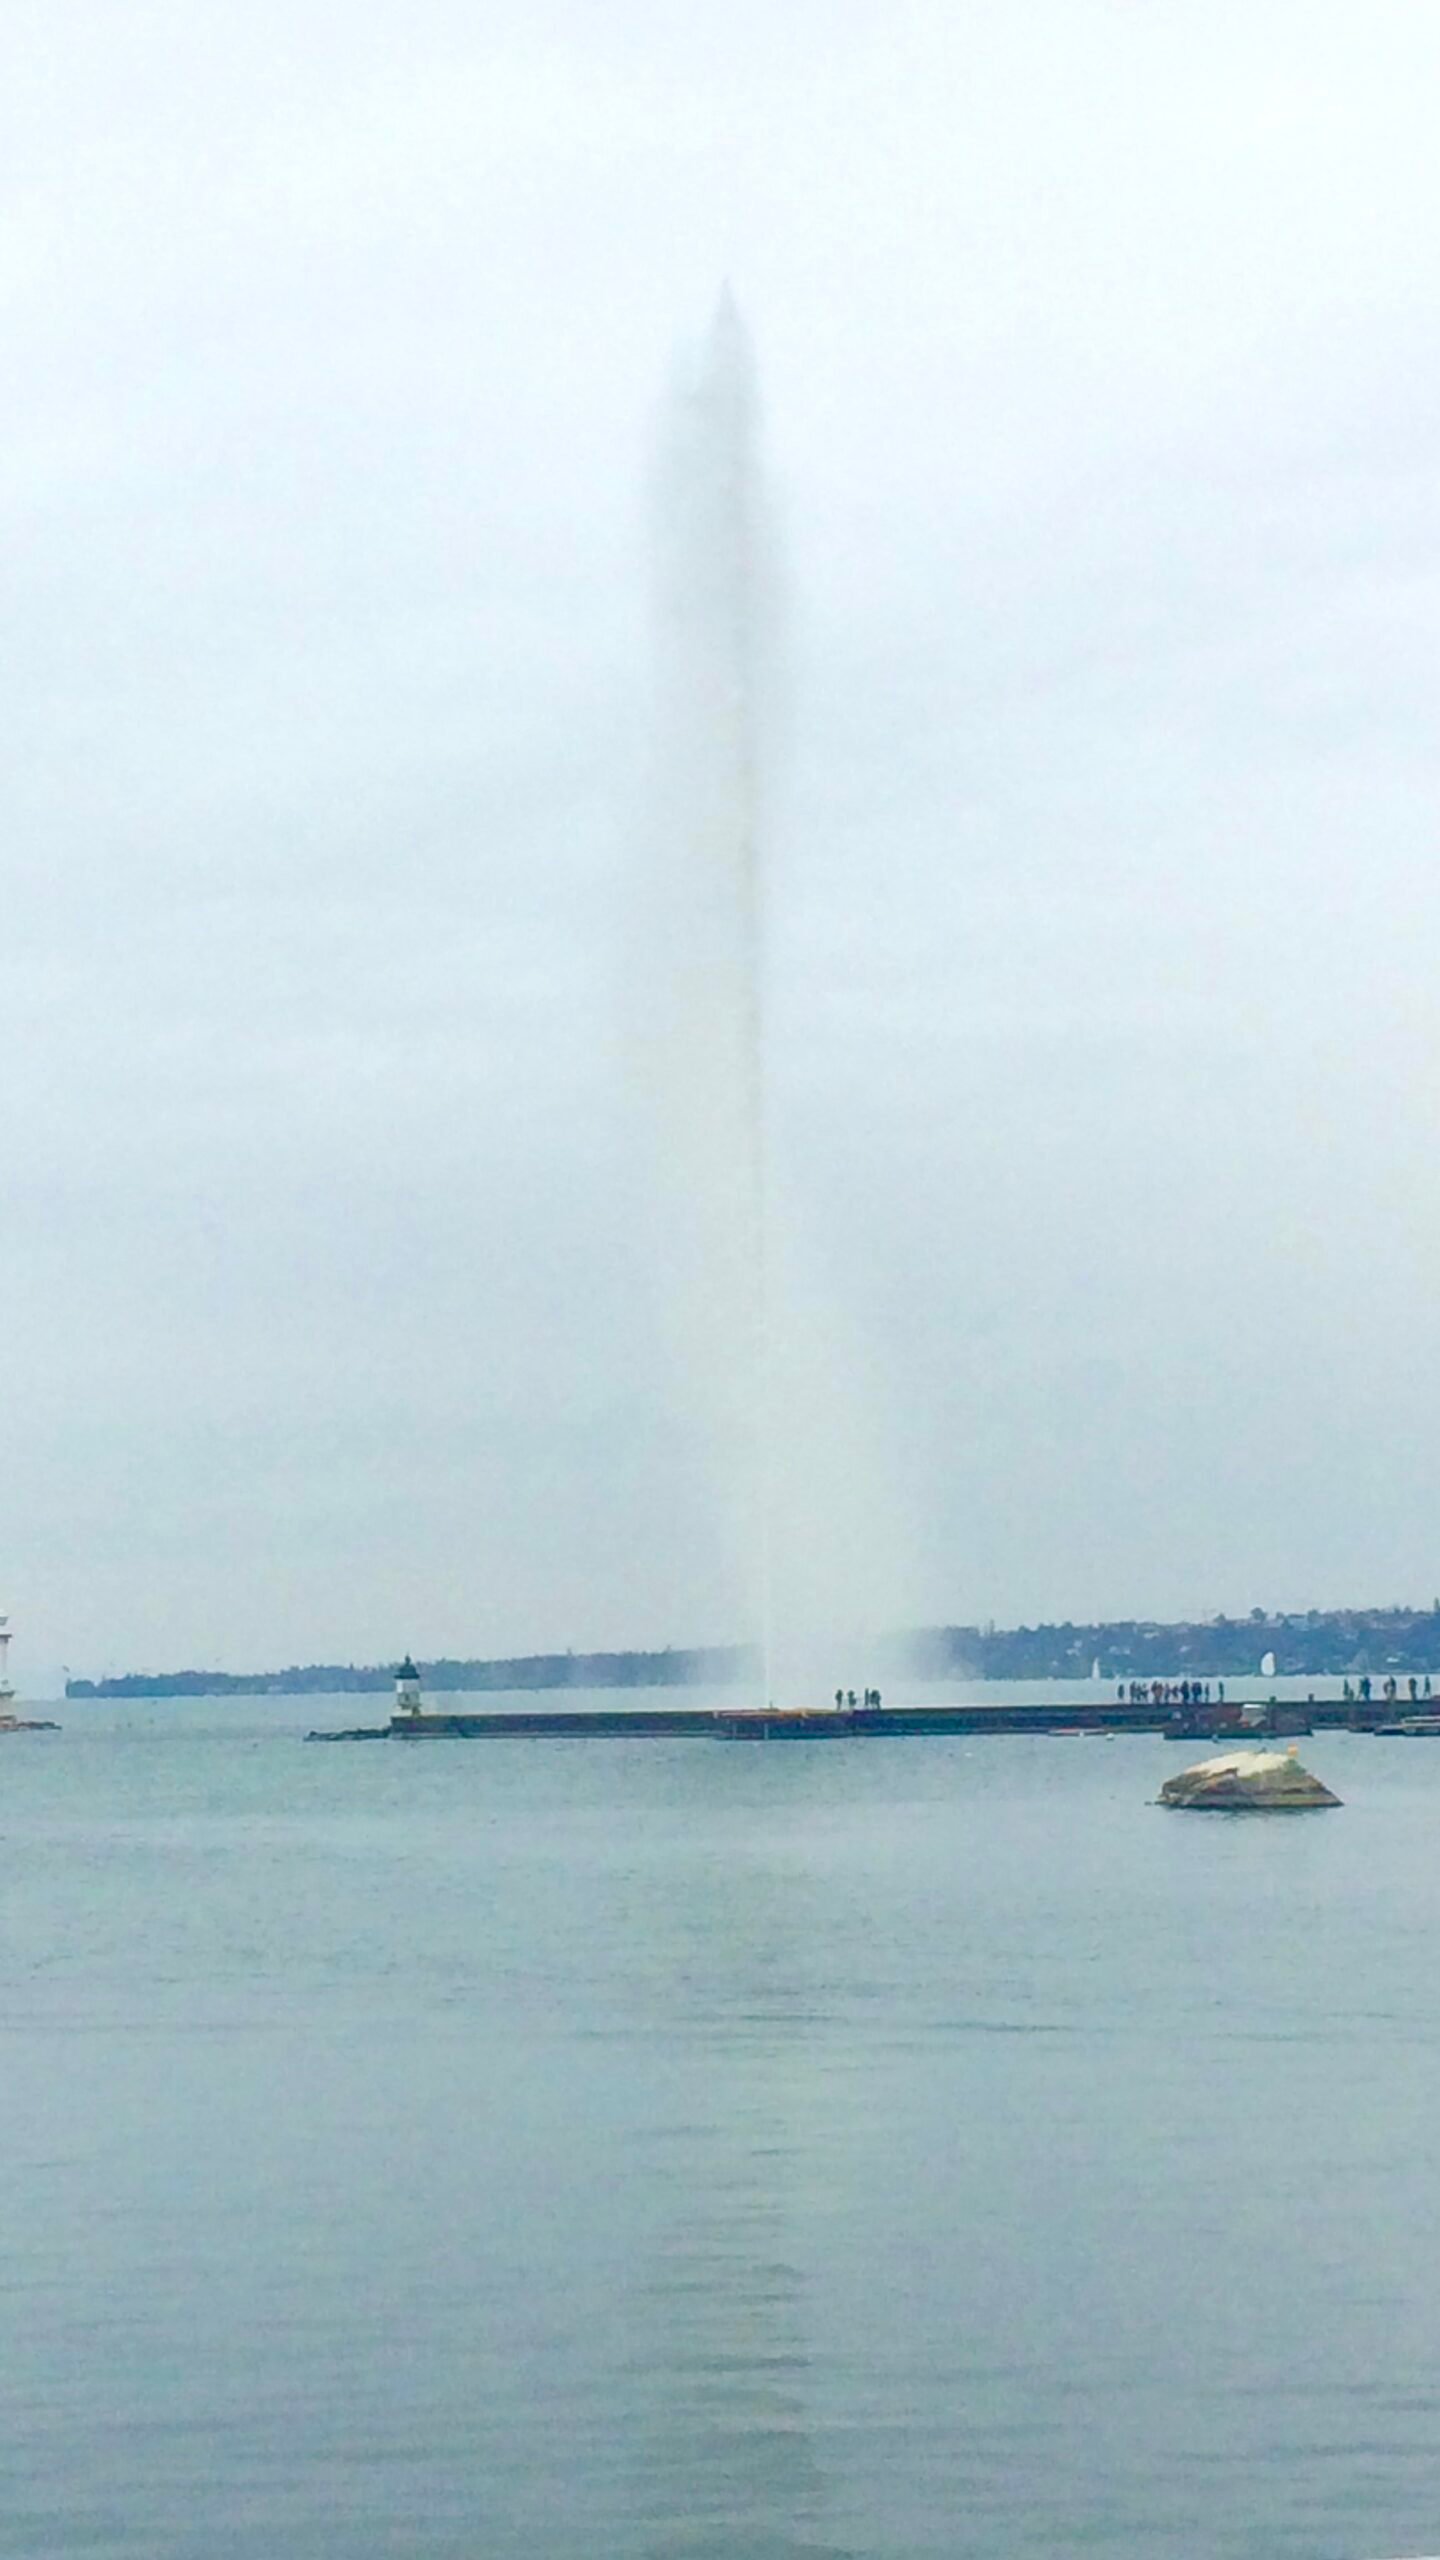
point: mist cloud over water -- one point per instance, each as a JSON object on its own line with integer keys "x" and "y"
{"x": 757, "y": 1367}
{"x": 697, "y": 984}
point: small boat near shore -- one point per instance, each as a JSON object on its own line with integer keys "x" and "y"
{"x": 790, "y": 1724}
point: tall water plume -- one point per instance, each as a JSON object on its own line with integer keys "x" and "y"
{"x": 770, "y": 1385}
{"x": 702, "y": 1005}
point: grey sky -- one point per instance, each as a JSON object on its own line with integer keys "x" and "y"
{"x": 1099, "y": 357}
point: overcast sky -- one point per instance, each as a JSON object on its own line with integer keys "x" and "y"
{"x": 1099, "y": 358}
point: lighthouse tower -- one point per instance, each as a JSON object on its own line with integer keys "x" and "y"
{"x": 6, "y": 1691}
{"x": 407, "y": 1689}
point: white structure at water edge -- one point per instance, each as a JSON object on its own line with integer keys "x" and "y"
{"x": 407, "y": 1689}
{"x": 7, "y": 1692}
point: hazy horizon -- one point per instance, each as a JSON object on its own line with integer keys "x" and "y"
{"x": 882, "y": 1657}
{"x": 1097, "y": 360}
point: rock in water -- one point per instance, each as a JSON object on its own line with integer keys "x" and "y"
{"x": 1247, "y": 1782}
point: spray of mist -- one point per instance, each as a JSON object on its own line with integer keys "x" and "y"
{"x": 760, "y": 1370}
{"x": 703, "y": 1011}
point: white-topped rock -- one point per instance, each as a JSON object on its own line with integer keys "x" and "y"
{"x": 1247, "y": 1782}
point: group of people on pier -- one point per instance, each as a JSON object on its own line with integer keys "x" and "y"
{"x": 1204, "y": 1693}
{"x": 846, "y": 1698}
{"x": 1169, "y": 1693}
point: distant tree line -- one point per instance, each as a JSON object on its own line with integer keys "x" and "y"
{"x": 1321, "y": 1643}
{"x": 674, "y": 1668}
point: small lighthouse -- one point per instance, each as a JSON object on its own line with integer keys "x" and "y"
{"x": 7, "y": 1693}
{"x": 407, "y": 1689}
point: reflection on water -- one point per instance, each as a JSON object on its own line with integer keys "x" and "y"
{"x": 726, "y": 2458}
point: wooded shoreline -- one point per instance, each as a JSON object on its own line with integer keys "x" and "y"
{"x": 1313, "y": 1643}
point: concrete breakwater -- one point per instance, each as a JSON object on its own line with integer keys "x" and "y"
{"x": 767, "y": 1724}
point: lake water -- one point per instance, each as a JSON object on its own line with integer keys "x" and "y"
{"x": 678, "y": 2148}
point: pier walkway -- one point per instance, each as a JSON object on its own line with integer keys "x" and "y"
{"x": 823, "y": 1724}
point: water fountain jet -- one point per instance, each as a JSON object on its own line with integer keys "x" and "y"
{"x": 704, "y": 1036}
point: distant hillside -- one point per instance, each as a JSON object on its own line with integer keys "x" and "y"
{"x": 672, "y": 1669}
{"x": 1315, "y": 1643}
{"x": 1318, "y": 1643}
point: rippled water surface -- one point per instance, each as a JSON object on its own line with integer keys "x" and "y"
{"x": 680, "y": 2148}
